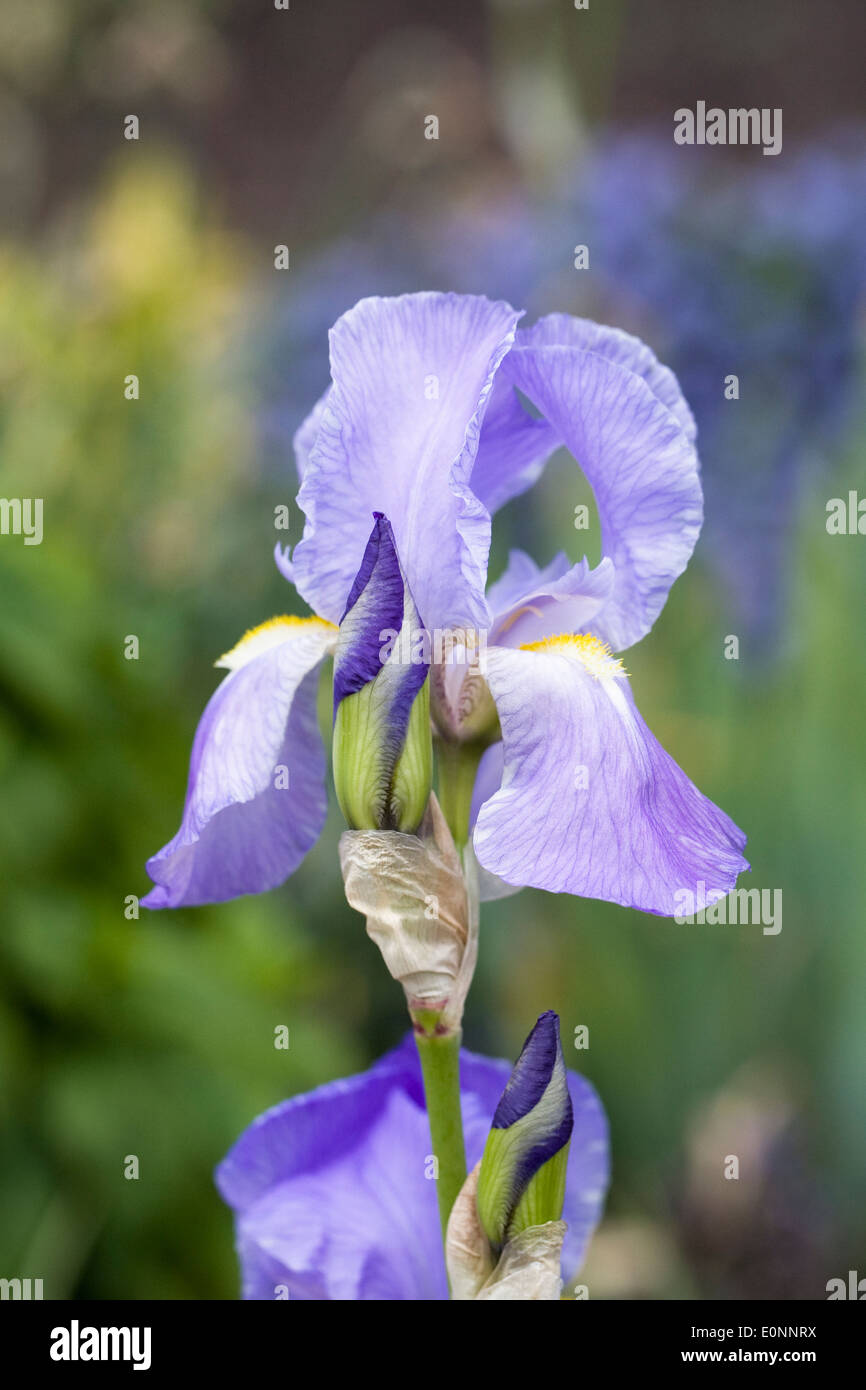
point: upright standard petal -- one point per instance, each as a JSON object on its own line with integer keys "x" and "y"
{"x": 305, "y": 434}
{"x": 305, "y": 438}
{"x": 590, "y": 803}
{"x": 332, "y": 1190}
{"x": 565, "y": 330}
{"x": 513, "y": 449}
{"x": 256, "y": 801}
{"x": 529, "y": 603}
{"x": 399, "y": 433}
{"x": 515, "y": 445}
{"x": 641, "y": 464}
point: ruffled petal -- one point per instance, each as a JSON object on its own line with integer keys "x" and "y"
{"x": 640, "y": 463}
{"x": 306, "y": 433}
{"x": 301, "y": 1133}
{"x": 519, "y": 578}
{"x": 399, "y": 434}
{"x": 541, "y": 603}
{"x": 515, "y": 445}
{"x": 243, "y": 829}
{"x": 305, "y": 438}
{"x": 590, "y": 803}
{"x": 565, "y": 330}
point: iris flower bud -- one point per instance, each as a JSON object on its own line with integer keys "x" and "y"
{"x": 383, "y": 755}
{"x": 463, "y": 708}
{"x": 521, "y": 1182}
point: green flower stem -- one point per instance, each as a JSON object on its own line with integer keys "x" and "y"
{"x": 440, "y": 1067}
{"x": 457, "y": 766}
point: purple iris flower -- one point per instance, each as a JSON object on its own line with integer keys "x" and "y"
{"x": 332, "y": 1190}
{"x": 426, "y": 423}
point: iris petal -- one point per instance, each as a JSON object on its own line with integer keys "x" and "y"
{"x": 399, "y": 433}
{"x": 243, "y": 829}
{"x": 515, "y": 445}
{"x": 540, "y": 603}
{"x": 640, "y": 463}
{"x": 513, "y": 449}
{"x": 589, "y": 802}
{"x": 565, "y": 330}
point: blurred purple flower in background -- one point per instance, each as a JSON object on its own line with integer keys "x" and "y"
{"x": 333, "y": 1192}
{"x": 760, "y": 274}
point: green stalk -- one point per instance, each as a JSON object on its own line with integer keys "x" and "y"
{"x": 458, "y": 765}
{"x": 440, "y": 1067}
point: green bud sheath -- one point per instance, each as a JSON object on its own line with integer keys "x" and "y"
{"x": 413, "y": 774}
{"x": 543, "y": 1197}
{"x": 382, "y": 748}
{"x": 376, "y": 789}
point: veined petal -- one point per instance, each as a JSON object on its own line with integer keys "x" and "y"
{"x": 305, "y": 434}
{"x": 590, "y": 803}
{"x": 565, "y": 330}
{"x": 340, "y": 1231}
{"x": 513, "y": 449}
{"x": 642, "y": 467}
{"x": 399, "y": 434}
{"x": 487, "y": 781}
{"x": 256, "y": 800}
{"x": 516, "y": 445}
{"x": 542, "y": 603}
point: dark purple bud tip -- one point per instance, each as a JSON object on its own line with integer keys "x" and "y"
{"x": 532, "y": 1072}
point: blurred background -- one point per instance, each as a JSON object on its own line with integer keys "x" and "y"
{"x": 155, "y": 256}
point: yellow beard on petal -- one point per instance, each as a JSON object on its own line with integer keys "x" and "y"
{"x": 594, "y": 655}
{"x": 267, "y": 635}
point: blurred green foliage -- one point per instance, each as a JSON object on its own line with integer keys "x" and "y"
{"x": 151, "y": 1037}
